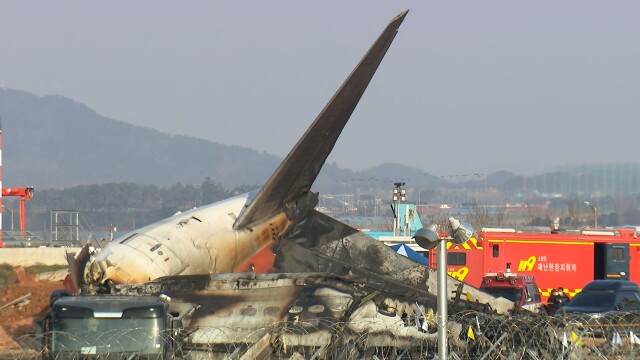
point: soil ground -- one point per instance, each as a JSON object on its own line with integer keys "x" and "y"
{"x": 17, "y": 320}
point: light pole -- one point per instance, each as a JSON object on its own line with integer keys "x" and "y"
{"x": 398, "y": 196}
{"x": 595, "y": 213}
{"x": 11, "y": 211}
{"x": 428, "y": 239}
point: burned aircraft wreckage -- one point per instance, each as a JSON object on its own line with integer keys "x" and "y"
{"x": 265, "y": 273}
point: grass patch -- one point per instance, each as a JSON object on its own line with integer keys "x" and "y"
{"x": 5, "y": 270}
{"x": 40, "y": 268}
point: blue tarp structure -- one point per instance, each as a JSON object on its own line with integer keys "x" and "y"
{"x": 403, "y": 249}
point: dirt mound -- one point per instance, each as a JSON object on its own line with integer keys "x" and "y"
{"x": 18, "y": 318}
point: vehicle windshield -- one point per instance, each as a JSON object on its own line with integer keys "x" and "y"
{"x": 87, "y": 336}
{"x": 593, "y": 299}
{"x": 512, "y": 294}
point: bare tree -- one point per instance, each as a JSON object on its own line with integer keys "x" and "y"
{"x": 532, "y": 214}
{"x": 481, "y": 215}
{"x": 573, "y": 206}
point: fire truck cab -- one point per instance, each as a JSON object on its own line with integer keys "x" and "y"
{"x": 521, "y": 289}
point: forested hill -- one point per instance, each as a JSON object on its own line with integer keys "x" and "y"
{"x": 52, "y": 142}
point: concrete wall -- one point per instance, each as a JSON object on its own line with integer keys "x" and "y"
{"x": 32, "y": 256}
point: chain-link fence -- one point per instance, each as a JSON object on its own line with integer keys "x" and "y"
{"x": 472, "y": 335}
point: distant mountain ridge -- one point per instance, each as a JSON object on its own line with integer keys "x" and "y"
{"x": 53, "y": 142}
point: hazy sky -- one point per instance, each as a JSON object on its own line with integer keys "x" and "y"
{"x": 486, "y": 85}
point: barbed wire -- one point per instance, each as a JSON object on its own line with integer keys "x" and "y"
{"x": 471, "y": 334}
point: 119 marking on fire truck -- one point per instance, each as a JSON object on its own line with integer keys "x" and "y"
{"x": 527, "y": 265}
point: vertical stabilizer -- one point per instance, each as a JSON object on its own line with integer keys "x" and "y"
{"x": 295, "y": 175}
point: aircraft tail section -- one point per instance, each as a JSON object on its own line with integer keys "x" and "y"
{"x": 289, "y": 186}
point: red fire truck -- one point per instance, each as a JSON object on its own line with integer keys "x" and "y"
{"x": 521, "y": 289}
{"x": 567, "y": 259}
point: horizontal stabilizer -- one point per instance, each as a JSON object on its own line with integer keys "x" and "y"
{"x": 77, "y": 265}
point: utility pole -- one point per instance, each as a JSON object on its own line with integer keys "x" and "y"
{"x": 595, "y": 213}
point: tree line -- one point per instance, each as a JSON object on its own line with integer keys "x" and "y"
{"x": 125, "y": 205}
{"x": 129, "y": 206}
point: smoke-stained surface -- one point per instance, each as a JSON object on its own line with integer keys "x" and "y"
{"x": 322, "y": 244}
